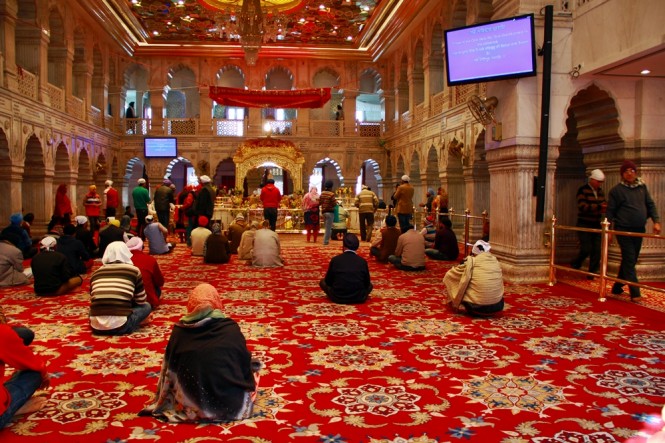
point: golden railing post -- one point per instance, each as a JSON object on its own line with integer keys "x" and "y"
{"x": 552, "y": 250}
{"x": 467, "y": 213}
{"x": 604, "y": 246}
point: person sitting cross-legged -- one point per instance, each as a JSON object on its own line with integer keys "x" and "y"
{"x": 247, "y": 242}
{"x": 476, "y": 284}
{"x": 384, "y": 244}
{"x": 216, "y": 248}
{"x": 11, "y": 264}
{"x": 347, "y": 280}
{"x": 266, "y": 251}
{"x": 155, "y": 233}
{"x": 410, "y": 251}
{"x": 16, "y": 392}
{"x": 153, "y": 279}
{"x": 208, "y": 374}
{"x": 118, "y": 302}
{"x": 445, "y": 243}
{"x": 51, "y": 270}
{"x": 199, "y": 236}
{"x": 73, "y": 248}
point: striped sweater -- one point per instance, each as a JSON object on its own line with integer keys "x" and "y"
{"x": 114, "y": 288}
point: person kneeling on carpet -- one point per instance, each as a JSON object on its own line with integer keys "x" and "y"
{"x": 118, "y": 302}
{"x": 347, "y": 280}
{"x": 476, "y": 284}
{"x": 208, "y": 374}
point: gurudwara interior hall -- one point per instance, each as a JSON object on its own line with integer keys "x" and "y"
{"x": 70, "y": 70}
{"x": 506, "y": 106}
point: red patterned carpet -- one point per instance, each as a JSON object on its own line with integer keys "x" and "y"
{"x": 557, "y": 366}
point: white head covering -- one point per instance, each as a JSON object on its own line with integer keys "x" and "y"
{"x": 405, "y": 178}
{"x": 480, "y": 246}
{"x": 135, "y": 243}
{"x": 204, "y": 179}
{"x": 597, "y": 174}
{"x": 48, "y": 243}
{"x": 117, "y": 251}
{"x": 141, "y": 181}
{"x": 108, "y": 183}
{"x": 81, "y": 219}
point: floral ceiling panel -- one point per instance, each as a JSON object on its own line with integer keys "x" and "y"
{"x": 304, "y": 22}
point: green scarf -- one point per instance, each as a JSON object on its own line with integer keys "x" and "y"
{"x": 202, "y": 314}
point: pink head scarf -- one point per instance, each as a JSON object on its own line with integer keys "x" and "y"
{"x": 203, "y": 297}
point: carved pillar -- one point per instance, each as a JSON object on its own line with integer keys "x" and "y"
{"x": 350, "y": 113}
{"x": 517, "y": 240}
{"x": 157, "y": 109}
{"x": 8, "y": 11}
{"x": 205, "y": 112}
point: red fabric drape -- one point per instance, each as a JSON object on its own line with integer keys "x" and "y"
{"x": 243, "y": 98}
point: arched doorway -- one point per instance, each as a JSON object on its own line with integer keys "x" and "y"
{"x": 254, "y": 154}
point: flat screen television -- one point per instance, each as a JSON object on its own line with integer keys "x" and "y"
{"x": 160, "y": 147}
{"x": 491, "y": 51}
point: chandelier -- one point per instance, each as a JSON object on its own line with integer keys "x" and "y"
{"x": 245, "y": 21}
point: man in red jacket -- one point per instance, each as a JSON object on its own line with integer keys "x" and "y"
{"x": 271, "y": 197}
{"x": 30, "y": 375}
{"x": 112, "y": 199}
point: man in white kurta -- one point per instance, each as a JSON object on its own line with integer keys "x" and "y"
{"x": 476, "y": 284}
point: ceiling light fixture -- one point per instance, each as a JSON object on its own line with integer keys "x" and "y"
{"x": 645, "y": 72}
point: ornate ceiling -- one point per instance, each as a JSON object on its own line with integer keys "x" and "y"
{"x": 305, "y": 28}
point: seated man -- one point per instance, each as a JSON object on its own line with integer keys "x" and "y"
{"x": 112, "y": 232}
{"x": 445, "y": 243}
{"x": 340, "y": 222}
{"x": 16, "y": 392}
{"x": 51, "y": 270}
{"x": 84, "y": 235}
{"x": 384, "y": 245}
{"x": 476, "y": 284}
{"x": 237, "y": 228}
{"x": 208, "y": 374}
{"x": 247, "y": 242}
{"x": 155, "y": 233}
{"x": 429, "y": 232}
{"x": 118, "y": 301}
{"x": 347, "y": 279}
{"x": 199, "y": 235}
{"x": 11, "y": 264}
{"x": 153, "y": 279}
{"x": 72, "y": 248}
{"x": 216, "y": 248}
{"x": 410, "y": 251}
{"x": 24, "y": 241}
{"x": 265, "y": 253}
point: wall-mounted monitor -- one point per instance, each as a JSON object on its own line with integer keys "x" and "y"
{"x": 490, "y": 51}
{"x": 160, "y": 147}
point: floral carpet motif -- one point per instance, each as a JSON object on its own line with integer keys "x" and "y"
{"x": 557, "y": 366}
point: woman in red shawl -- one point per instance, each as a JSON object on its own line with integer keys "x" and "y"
{"x": 93, "y": 204}
{"x": 63, "y": 206}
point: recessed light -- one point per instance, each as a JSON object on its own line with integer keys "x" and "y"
{"x": 645, "y": 72}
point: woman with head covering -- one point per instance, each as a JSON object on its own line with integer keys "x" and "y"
{"x": 310, "y": 207}
{"x": 93, "y": 204}
{"x": 63, "y": 206}
{"x": 476, "y": 284}
{"x": 118, "y": 302}
{"x": 153, "y": 279}
{"x": 208, "y": 374}
{"x": 216, "y": 248}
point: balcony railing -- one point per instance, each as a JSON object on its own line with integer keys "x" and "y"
{"x": 27, "y": 83}
{"x": 56, "y": 97}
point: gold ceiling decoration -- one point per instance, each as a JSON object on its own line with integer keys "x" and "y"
{"x": 267, "y": 5}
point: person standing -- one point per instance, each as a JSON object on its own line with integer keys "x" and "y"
{"x": 310, "y": 207}
{"x": 404, "y": 205}
{"x": 164, "y": 200}
{"x": 591, "y": 205}
{"x": 141, "y": 198}
{"x": 271, "y": 197}
{"x": 130, "y": 115}
{"x": 112, "y": 199}
{"x": 205, "y": 200}
{"x": 93, "y": 207}
{"x": 440, "y": 204}
{"x": 367, "y": 202}
{"x": 628, "y": 208}
{"x": 63, "y": 205}
{"x": 347, "y": 279}
{"x": 327, "y": 203}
